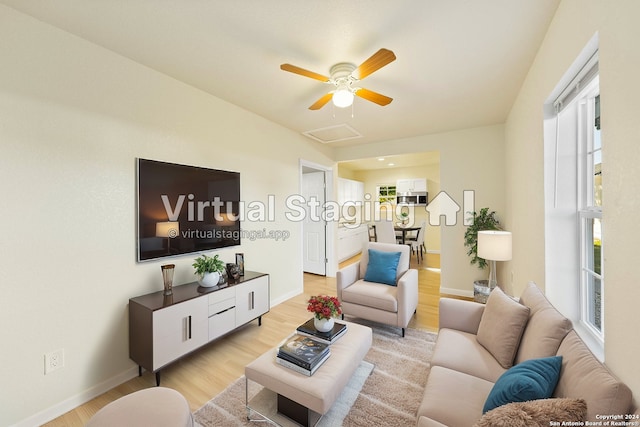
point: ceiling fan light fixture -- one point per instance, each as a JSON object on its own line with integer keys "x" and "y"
{"x": 343, "y": 76}
{"x": 342, "y": 97}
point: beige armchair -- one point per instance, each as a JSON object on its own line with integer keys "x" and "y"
{"x": 380, "y": 302}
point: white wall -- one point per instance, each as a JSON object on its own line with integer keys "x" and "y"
{"x": 73, "y": 118}
{"x": 575, "y": 23}
{"x": 470, "y": 159}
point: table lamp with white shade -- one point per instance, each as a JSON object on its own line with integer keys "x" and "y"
{"x": 169, "y": 230}
{"x": 494, "y": 245}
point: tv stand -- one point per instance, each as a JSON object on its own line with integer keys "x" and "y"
{"x": 162, "y": 329}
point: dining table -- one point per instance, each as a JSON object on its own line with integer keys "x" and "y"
{"x": 404, "y": 229}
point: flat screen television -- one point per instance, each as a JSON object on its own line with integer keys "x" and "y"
{"x": 185, "y": 209}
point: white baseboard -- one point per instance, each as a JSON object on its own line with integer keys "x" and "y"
{"x": 456, "y": 292}
{"x": 286, "y": 296}
{"x": 73, "y": 402}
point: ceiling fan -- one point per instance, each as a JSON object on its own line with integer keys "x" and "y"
{"x": 344, "y": 75}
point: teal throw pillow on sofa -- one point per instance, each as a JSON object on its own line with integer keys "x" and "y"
{"x": 530, "y": 380}
{"x": 382, "y": 267}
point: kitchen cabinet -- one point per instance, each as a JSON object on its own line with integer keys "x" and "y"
{"x": 411, "y": 185}
{"x": 351, "y": 241}
{"x": 350, "y": 191}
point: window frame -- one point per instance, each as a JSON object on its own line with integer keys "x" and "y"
{"x": 589, "y": 210}
{"x": 387, "y": 198}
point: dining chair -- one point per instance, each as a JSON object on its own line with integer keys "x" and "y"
{"x": 385, "y": 232}
{"x": 417, "y": 242}
{"x": 373, "y": 236}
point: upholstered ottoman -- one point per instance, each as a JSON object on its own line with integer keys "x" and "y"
{"x": 317, "y": 393}
{"x": 152, "y": 407}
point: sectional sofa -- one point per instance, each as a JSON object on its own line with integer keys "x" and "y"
{"x": 488, "y": 357}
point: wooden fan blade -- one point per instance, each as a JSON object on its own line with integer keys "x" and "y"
{"x": 321, "y": 102}
{"x": 375, "y": 62}
{"x": 372, "y": 96}
{"x": 297, "y": 70}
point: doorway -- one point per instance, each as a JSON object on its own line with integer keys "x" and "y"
{"x": 316, "y": 184}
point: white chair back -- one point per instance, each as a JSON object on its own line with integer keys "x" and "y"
{"x": 422, "y": 232}
{"x": 385, "y": 232}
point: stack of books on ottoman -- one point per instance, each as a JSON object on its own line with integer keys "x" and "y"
{"x": 306, "y": 351}
{"x": 307, "y": 329}
{"x": 303, "y": 354}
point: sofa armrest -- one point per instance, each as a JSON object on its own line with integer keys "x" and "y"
{"x": 460, "y": 315}
{"x": 347, "y": 277}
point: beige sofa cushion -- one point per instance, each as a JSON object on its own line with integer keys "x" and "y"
{"x": 428, "y": 422}
{"x": 535, "y": 413}
{"x": 461, "y": 352}
{"x": 545, "y": 329}
{"x": 501, "y": 327}
{"x": 453, "y": 398}
{"x": 583, "y": 376}
{"x": 375, "y": 295}
{"x": 460, "y": 315}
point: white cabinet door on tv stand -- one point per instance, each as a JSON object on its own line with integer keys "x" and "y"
{"x": 178, "y": 330}
{"x": 252, "y": 300}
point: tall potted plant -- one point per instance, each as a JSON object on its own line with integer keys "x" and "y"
{"x": 209, "y": 269}
{"x": 483, "y": 220}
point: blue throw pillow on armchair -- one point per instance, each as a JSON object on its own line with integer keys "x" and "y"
{"x": 382, "y": 267}
{"x": 530, "y": 380}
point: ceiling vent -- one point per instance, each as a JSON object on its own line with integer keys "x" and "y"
{"x": 335, "y": 133}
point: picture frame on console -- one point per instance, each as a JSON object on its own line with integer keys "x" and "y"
{"x": 240, "y": 263}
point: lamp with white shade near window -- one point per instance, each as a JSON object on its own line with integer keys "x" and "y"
{"x": 494, "y": 246}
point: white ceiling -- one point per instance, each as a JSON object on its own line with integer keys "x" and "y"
{"x": 397, "y": 161}
{"x": 460, "y": 63}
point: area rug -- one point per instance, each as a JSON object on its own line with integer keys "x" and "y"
{"x": 386, "y": 389}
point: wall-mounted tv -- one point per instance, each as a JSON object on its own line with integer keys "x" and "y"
{"x": 185, "y": 209}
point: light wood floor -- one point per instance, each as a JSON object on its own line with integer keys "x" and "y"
{"x": 205, "y": 373}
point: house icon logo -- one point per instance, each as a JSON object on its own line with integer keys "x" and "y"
{"x": 444, "y": 205}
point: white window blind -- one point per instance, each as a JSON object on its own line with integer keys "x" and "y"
{"x": 586, "y": 74}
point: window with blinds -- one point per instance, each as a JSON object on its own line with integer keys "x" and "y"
{"x": 574, "y": 241}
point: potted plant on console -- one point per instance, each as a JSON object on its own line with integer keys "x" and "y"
{"x": 209, "y": 270}
{"x": 324, "y": 309}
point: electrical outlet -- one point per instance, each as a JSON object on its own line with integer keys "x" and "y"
{"x": 53, "y": 361}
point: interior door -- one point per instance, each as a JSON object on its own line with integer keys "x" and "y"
{"x": 314, "y": 239}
